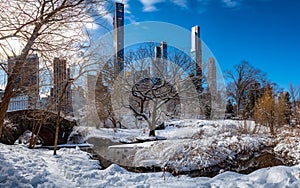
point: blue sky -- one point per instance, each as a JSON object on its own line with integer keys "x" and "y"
{"x": 266, "y": 33}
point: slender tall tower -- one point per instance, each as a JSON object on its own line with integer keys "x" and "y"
{"x": 61, "y": 75}
{"x": 161, "y": 54}
{"x": 32, "y": 70}
{"x": 157, "y": 52}
{"x": 212, "y": 75}
{"x": 196, "y": 52}
{"x": 118, "y": 39}
{"x": 164, "y": 50}
{"x": 217, "y": 100}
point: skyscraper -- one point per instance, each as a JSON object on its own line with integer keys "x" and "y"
{"x": 159, "y": 65}
{"x": 157, "y": 52}
{"x": 217, "y": 105}
{"x": 164, "y": 50}
{"x": 212, "y": 76}
{"x": 27, "y": 83}
{"x": 61, "y": 76}
{"x": 118, "y": 38}
{"x": 196, "y": 52}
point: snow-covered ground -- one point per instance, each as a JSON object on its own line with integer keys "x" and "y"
{"x": 22, "y": 167}
{"x": 174, "y": 130}
{"x": 190, "y": 144}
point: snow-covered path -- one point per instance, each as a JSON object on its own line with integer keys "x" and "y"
{"x": 22, "y": 167}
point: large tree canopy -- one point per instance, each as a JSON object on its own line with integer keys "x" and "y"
{"x": 47, "y": 27}
{"x": 242, "y": 79}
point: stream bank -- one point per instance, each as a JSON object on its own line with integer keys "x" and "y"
{"x": 260, "y": 159}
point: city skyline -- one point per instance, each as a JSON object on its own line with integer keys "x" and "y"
{"x": 262, "y": 32}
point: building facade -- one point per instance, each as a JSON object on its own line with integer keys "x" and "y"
{"x": 27, "y": 83}
{"x": 159, "y": 66}
{"x": 61, "y": 78}
{"x": 118, "y": 39}
{"x": 212, "y": 75}
{"x": 196, "y": 53}
{"x": 20, "y": 102}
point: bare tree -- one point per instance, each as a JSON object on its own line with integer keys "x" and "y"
{"x": 294, "y": 92}
{"x": 295, "y": 98}
{"x": 63, "y": 92}
{"x": 241, "y": 78}
{"x": 104, "y": 106}
{"x": 47, "y": 27}
{"x": 156, "y": 92}
{"x": 103, "y": 95}
{"x": 154, "y": 98}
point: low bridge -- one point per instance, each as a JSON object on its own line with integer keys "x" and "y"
{"x": 20, "y": 121}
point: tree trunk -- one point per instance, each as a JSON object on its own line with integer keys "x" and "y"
{"x": 152, "y": 133}
{"x": 58, "y": 115}
{"x": 272, "y": 129}
{"x": 8, "y": 92}
{"x": 19, "y": 62}
{"x": 238, "y": 108}
{"x": 3, "y": 108}
{"x": 153, "y": 120}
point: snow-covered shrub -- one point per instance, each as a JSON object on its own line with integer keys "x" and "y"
{"x": 198, "y": 134}
{"x": 289, "y": 149}
{"x": 189, "y": 154}
{"x": 245, "y": 127}
{"x": 25, "y": 138}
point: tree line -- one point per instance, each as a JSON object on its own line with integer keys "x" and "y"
{"x": 252, "y": 96}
